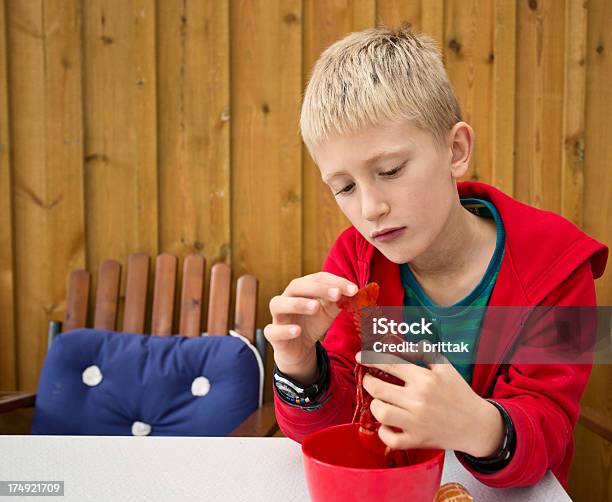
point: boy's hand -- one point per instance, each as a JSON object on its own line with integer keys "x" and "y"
{"x": 300, "y": 316}
{"x": 435, "y": 408}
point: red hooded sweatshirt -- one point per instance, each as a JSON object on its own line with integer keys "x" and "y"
{"x": 547, "y": 261}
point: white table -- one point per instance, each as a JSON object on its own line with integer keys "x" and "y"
{"x": 203, "y": 469}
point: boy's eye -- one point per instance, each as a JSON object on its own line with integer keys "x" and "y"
{"x": 392, "y": 171}
{"x": 346, "y": 189}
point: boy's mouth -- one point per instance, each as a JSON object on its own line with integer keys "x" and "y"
{"x": 387, "y": 234}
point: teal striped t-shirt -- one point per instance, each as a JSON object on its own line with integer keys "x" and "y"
{"x": 460, "y": 322}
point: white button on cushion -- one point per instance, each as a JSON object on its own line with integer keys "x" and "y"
{"x": 92, "y": 376}
{"x": 200, "y": 386}
{"x": 140, "y": 429}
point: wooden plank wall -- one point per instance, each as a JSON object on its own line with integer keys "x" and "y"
{"x": 8, "y": 363}
{"x": 172, "y": 126}
{"x": 592, "y": 467}
{"x": 47, "y": 168}
{"x": 120, "y": 130}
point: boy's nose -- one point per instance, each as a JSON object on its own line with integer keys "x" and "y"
{"x": 372, "y": 209}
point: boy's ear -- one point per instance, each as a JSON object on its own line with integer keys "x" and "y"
{"x": 461, "y": 144}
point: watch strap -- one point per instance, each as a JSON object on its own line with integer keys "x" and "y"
{"x": 307, "y": 397}
{"x": 502, "y": 458}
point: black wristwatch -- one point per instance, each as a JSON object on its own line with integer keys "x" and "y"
{"x": 503, "y": 457}
{"x": 295, "y": 394}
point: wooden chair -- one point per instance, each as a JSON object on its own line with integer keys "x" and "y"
{"x": 262, "y": 422}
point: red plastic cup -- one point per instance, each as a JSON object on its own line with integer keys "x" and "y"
{"x": 338, "y": 468}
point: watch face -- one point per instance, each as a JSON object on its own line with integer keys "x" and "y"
{"x": 293, "y": 392}
{"x": 282, "y": 379}
{"x": 286, "y": 389}
{"x": 287, "y": 386}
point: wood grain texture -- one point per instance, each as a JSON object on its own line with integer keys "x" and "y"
{"x": 574, "y": 100}
{"x": 14, "y": 400}
{"x": 266, "y": 187}
{"x": 596, "y": 422}
{"x": 17, "y": 422}
{"x": 219, "y": 299}
{"x": 194, "y": 129}
{"x": 107, "y": 295}
{"x": 77, "y": 300}
{"x": 591, "y": 474}
{"x": 192, "y": 289}
{"x": 163, "y": 299}
{"x": 8, "y": 363}
{"x": 597, "y": 199}
{"x": 503, "y": 100}
{"x": 324, "y": 23}
{"x": 393, "y": 13}
{"x": 468, "y": 41}
{"x": 120, "y": 129}
{"x": 246, "y": 306}
{"x": 590, "y": 470}
{"x": 136, "y": 289}
{"x": 432, "y": 20}
{"x": 539, "y": 121}
{"x": 261, "y": 423}
{"x": 46, "y": 128}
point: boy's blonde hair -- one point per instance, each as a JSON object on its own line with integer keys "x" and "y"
{"x": 376, "y": 75}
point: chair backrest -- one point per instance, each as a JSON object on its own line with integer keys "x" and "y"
{"x": 123, "y": 384}
{"x": 162, "y": 315}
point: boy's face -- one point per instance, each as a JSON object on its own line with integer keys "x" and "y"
{"x": 392, "y": 176}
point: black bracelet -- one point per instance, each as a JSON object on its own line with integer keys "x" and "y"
{"x": 503, "y": 457}
{"x": 295, "y": 394}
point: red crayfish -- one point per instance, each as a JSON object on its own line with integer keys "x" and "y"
{"x": 368, "y": 425}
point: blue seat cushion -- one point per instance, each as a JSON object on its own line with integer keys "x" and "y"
{"x": 96, "y": 382}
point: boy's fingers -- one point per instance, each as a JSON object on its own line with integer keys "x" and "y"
{"x": 280, "y": 332}
{"x": 385, "y": 391}
{"x": 318, "y": 285}
{"x": 395, "y": 440}
{"x": 347, "y": 288}
{"x": 291, "y": 305}
{"x": 311, "y": 289}
{"x": 388, "y": 414}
